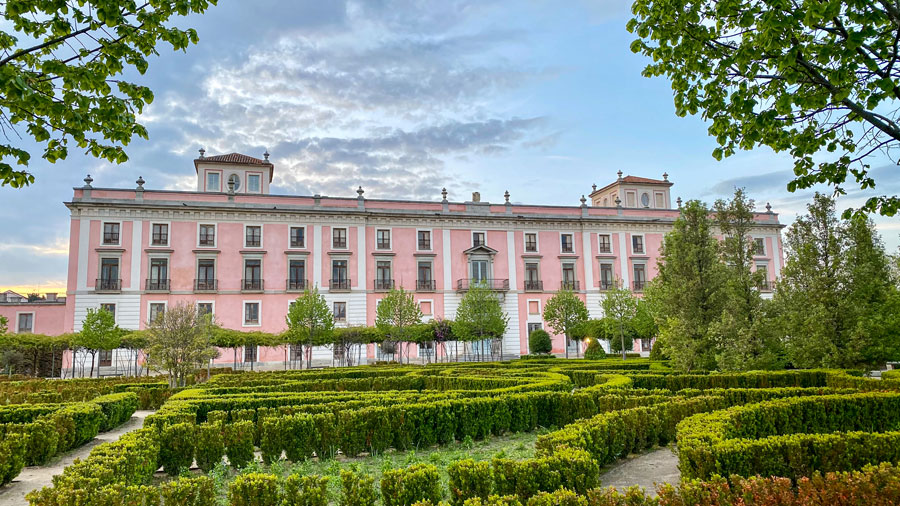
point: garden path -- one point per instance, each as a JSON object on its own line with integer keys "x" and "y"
{"x": 37, "y": 477}
{"x": 657, "y": 466}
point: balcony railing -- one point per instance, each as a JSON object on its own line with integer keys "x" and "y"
{"x": 766, "y": 286}
{"x": 160, "y": 239}
{"x": 253, "y": 242}
{"x": 206, "y": 285}
{"x": 639, "y": 285}
{"x": 424, "y": 245}
{"x": 499, "y": 285}
{"x": 337, "y": 243}
{"x": 607, "y": 284}
{"x": 425, "y": 285}
{"x": 110, "y": 238}
{"x": 339, "y": 284}
{"x": 534, "y": 285}
{"x": 252, "y": 285}
{"x": 296, "y": 285}
{"x": 570, "y": 285}
{"x": 384, "y": 284}
{"x": 156, "y": 285}
{"x": 207, "y": 240}
{"x": 108, "y": 285}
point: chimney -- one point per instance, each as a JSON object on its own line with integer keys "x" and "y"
{"x": 476, "y": 197}
{"x": 51, "y": 297}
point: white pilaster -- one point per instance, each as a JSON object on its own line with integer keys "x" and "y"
{"x": 317, "y": 257}
{"x": 511, "y": 257}
{"x": 623, "y": 260}
{"x": 361, "y": 260}
{"x": 588, "y": 261}
{"x": 448, "y": 277}
{"x": 136, "y": 234}
{"x": 84, "y": 239}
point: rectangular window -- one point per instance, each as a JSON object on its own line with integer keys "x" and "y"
{"x": 160, "y": 234}
{"x": 109, "y": 308}
{"x": 605, "y": 243}
{"x": 297, "y": 275}
{"x": 206, "y": 274}
{"x": 630, "y": 199}
{"x": 534, "y": 326}
{"x": 207, "y": 235}
{"x": 531, "y": 242}
{"x": 478, "y": 239}
{"x": 25, "y": 323}
{"x": 763, "y": 271}
{"x": 424, "y": 280}
{"x": 251, "y": 313}
{"x": 253, "y": 236}
{"x": 339, "y": 238}
{"x": 339, "y": 280}
{"x": 568, "y": 277}
{"x": 382, "y": 239}
{"x": 566, "y": 243}
{"x": 606, "y": 277}
{"x": 110, "y": 233}
{"x": 533, "y": 277}
{"x": 109, "y": 274}
{"x": 251, "y": 353}
{"x": 156, "y": 310}
{"x": 759, "y": 246}
{"x": 660, "y": 201}
{"x": 212, "y": 182}
{"x": 252, "y": 274}
{"x": 204, "y": 308}
{"x": 480, "y": 270}
{"x": 340, "y": 311}
{"x": 105, "y": 358}
{"x": 640, "y": 277}
{"x": 424, "y": 240}
{"x": 637, "y": 244}
{"x": 298, "y": 239}
{"x": 159, "y": 274}
{"x": 253, "y": 183}
{"x": 383, "y": 279}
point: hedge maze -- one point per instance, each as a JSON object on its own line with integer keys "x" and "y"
{"x": 786, "y": 437}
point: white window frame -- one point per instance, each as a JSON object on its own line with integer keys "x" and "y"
{"x": 763, "y": 239}
{"x": 150, "y": 304}
{"x": 215, "y": 235}
{"x": 472, "y": 237}
{"x": 539, "y": 314}
{"x": 643, "y": 243}
{"x": 346, "y": 236}
{"x": 197, "y": 305}
{"x": 634, "y": 265}
{"x": 115, "y": 306}
{"x": 102, "y": 232}
{"x": 206, "y": 181}
{"x": 612, "y": 247}
{"x": 572, "y": 234}
{"x": 346, "y": 316}
{"x": 426, "y": 317}
{"x": 33, "y": 320}
{"x": 289, "y": 237}
{"x": 390, "y": 232}
{"x": 244, "y": 313}
{"x": 430, "y": 240}
{"x": 168, "y": 225}
{"x": 260, "y": 176}
{"x": 262, "y": 239}
{"x": 537, "y": 241}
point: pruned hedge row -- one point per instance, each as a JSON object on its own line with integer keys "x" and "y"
{"x": 792, "y": 437}
{"x": 756, "y": 379}
{"x": 70, "y": 390}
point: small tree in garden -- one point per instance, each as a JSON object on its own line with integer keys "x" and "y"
{"x": 98, "y": 332}
{"x": 479, "y": 316}
{"x": 3, "y": 327}
{"x": 178, "y": 342}
{"x": 396, "y": 315}
{"x": 345, "y": 339}
{"x": 564, "y": 313}
{"x": 539, "y": 342}
{"x": 619, "y": 308}
{"x": 310, "y": 322}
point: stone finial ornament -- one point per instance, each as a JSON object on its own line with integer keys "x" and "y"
{"x": 665, "y": 176}
{"x": 678, "y": 201}
{"x": 87, "y": 181}
{"x": 506, "y": 196}
{"x": 202, "y": 152}
{"x": 583, "y": 201}
{"x": 140, "y": 183}
{"x": 768, "y": 207}
{"x": 620, "y": 175}
{"x": 266, "y": 155}
{"x": 360, "y": 191}
{"x": 444, "y": 194}
{"x": 618, "y": 201}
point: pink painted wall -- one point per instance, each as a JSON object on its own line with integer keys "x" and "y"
{"x": 49, "y": 318}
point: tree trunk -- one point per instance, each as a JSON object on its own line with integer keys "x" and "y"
{"x": 93, "y": 356}
{"x": 622, "y": 336}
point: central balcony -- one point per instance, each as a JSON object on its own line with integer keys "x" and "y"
{"x": 252, "y": 285}
{"x": 496, "y": 285}
{"x": 206, "y": 285}
{"x": 296, "y": 285}
{"x": 383, "y": 285}
{"x": 339, "y": 285}
{"x": 156, "y": 285}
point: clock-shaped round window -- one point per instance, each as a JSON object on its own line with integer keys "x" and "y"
{"x": 235, "y": 181}
{"x": 645, "y": 200}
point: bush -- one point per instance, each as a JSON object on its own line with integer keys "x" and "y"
{"x": 469, "y": 479}
{"x": 239, "y": 443}
{"x": 594, "y": 350}
{"x": 199, "y": 491}
{"x": 561, "y": 497}
{"x": 405, "y": 487}
{"x": 658, "y": 351}
{"x": 254, "y": 489}
{"x": 357, "y": 489}
{"x": 494, "y": 500}
{"x": 210, "y": 445}
{"x": 12, "y": 456}
{"x": 117, "y": 409}
{"x": 566, "y": 468}
{"x": 177, "y": 447}
{"x": 77, "y": 424}
{"x": 305, "y": 491}
{"x": 539, "y": 342}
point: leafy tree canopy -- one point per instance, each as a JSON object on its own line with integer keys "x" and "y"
{"x": 60, "y": 75}
{"x": 479, "y": 315}
{"x": 818, "y": 79}
{"x": 309, "y": 320}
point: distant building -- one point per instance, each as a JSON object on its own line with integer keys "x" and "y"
{"x": 243, "y": 254}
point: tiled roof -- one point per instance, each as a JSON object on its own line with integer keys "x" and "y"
{"x": 642, "y": 180}
{"x": 235, "y": 158}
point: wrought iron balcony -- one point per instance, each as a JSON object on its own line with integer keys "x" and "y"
{"x": 339, "y": 285}
{"x": 156, "y": 285}
{"x": 570, "y": 285}
{"x": 766, "y": 286}
{"x": 384, "y": 284}
{"x": 425, "y": 285}
{"x": 296, "y": 285}
{"x": 252, "y": 285}
{"x": 108, "y": 285}
{"x": 497, "y": 285}
{"x": 206, "y": 285}
{"x": 534, "y": 285}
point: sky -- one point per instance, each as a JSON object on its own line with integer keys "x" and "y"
{"x": 404, "y": 98}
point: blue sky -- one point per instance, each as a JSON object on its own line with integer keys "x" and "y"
{"x": 404, "y": 98}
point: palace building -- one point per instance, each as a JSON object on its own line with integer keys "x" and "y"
{"x": 244, "y": 254}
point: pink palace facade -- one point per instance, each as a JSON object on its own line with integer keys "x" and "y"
{"x": 235, "y": 250}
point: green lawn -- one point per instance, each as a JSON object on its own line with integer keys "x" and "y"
{"x": 515, "y": 446}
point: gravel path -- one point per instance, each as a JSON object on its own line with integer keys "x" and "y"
{"x": 646, "y": 470}
{"x": 36, "y": 477}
